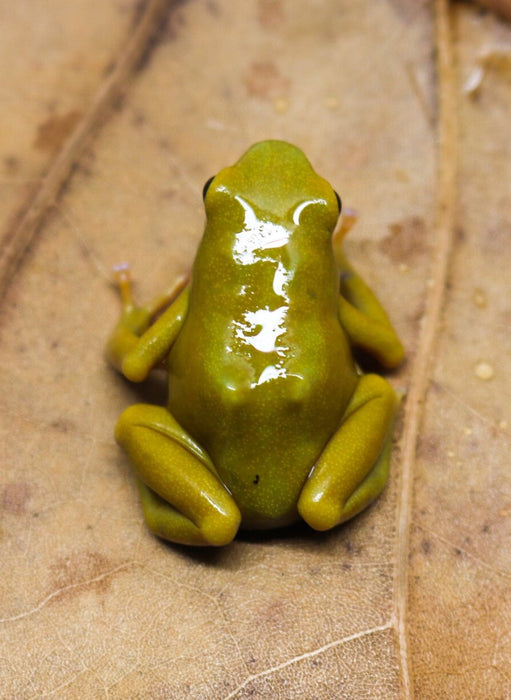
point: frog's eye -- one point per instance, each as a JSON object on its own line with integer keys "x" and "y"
{"x": 339, "y": 203}
{"x": 206, "y": 187}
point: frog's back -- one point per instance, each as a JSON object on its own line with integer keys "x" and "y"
{"x": 261, "y": 372}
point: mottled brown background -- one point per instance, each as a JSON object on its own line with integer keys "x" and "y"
{"x": 91, "y": 604}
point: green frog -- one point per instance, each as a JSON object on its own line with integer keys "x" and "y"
{"x": 269, "y": 418}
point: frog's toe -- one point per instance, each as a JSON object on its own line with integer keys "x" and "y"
{"x": 321, "y": 513}
{"x": 219, "y": 530}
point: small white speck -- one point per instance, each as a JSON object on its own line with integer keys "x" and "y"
{"x": 484, "y": 371}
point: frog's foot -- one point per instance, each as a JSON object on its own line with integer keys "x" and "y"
{"x": 147, "y": 312}
{"x": 183, "y": 499}
{"x": 134, "y": 319}
{"x": 122, "y": 279}
{"x": 353, "y": 468}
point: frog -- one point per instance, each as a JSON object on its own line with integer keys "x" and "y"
{"x": 269, "y": 419}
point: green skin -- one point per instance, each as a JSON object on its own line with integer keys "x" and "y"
{"x": 268, "y": 418}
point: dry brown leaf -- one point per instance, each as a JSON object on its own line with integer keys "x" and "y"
{"x": 503, "y": 7}
{"x": 414, "y": 596}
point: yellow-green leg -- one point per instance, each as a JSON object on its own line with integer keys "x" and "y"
{"x": 353, "y": 468}
{"x": 361, "y": 314}
{"x": 183, "y": 499}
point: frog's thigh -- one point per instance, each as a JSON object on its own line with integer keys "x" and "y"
{"x": 183, "y": 499}
{"x": 353, "y": 468}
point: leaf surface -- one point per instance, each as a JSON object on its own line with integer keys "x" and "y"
{"x": 413, "y": 596}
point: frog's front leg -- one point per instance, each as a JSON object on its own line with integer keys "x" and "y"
{"x": 365, "y": 321}
{"x": 138, "y": 342}
{"x": 183, "y": 499}
{"x": 354, "y": 466}
{"x": 361, "y": 314}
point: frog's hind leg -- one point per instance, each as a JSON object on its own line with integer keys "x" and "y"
{"x": 371, "y": 486}
{"x": 183, "y": 499}
{"x": 165, "y": 521}
{"x": 354, "y": 466}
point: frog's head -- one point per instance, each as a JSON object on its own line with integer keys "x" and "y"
{"x": 275, "y": 180}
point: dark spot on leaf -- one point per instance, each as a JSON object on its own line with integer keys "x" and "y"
{"x": 350, "y": 547}
{"x": 496, "y": 241}
{"x": 139, "y": 119}
{"x": 53, "y": 132}
{"x": 404, "y": 9}
{"x": 460, "y": 234}
{"x": 213, "y": 9}
{"x": 270, "y": 13}
{"x": 15, "y": 497}
{"x": 426, "y": 546}
{"x": 407, "y": 240}
{"x": 63, "y": 425}
{"x": 264, "y": 80}
{"x": 429, "y": 447}
{"x": 11, "y": 164}
{"x": 82, "y": 571}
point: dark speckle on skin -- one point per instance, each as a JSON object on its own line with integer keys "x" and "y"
{"x": 15, "y": 497}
